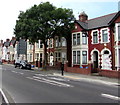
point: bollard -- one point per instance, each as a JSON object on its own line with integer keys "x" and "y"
{"x": 62, "y": 69}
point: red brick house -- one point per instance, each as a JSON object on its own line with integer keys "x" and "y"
{"x": 97, "y": 41}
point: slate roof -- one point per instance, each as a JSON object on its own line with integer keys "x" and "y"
{"x": 97, "y": 22}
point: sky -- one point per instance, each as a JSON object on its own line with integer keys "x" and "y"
{"x": 10, "y": 9}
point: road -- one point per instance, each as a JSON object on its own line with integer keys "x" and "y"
{"x": 29, "y": 86}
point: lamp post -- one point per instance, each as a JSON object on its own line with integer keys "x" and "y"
{"x": 62, "y": 66}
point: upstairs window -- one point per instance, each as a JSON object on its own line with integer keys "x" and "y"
{"x": 95, "y": 37}
{"x": 63, "y": 40}
{"x": 104, "y": 36}
{"x": 74, "y": 39}
{"x": 78, "y": 39}
{"x": 56, "y": 42}
{"x": 119, "y": 33}
{"x": 41, "y": 44}
{"x": 50, "y": 43}
{"x": 84, "y": 39}
{"x": 37, "y": 44}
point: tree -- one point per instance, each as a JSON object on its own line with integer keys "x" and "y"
{"x": 43, "y": 22}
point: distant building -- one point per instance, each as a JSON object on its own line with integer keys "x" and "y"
{"x": 22, "y": 49}
{"x": 1, "y": 49}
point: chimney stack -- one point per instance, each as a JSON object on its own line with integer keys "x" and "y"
{"x": 83, "y": 17}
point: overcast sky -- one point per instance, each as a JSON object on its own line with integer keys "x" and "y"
{"x": 10, "y": 9}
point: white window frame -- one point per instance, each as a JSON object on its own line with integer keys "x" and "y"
{"x": 75, "y": 39}
{"x": 118, "y": 33}
{"x": 82, "y": 57}
{"x": 50, "y": 43}
{"x": 86, "y": 39}
{"x": 97, "y": 35}
{"x": 63, "y": 41}
{"x": 76, "y": 33}
{"x": 56, "y": 42}
{"x": 108, "y": 33}
{"x": 76, "y": 63}
{"x": 40, "y": 44}
{"x": 75, "y": 58}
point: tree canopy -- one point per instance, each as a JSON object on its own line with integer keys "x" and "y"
{"x": 43, "y": 21}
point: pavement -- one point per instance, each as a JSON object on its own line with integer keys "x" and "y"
{"x": 82, "y": 77}
{"x": 79, "y": 77}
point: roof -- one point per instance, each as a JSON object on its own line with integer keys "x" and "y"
{"x": 83, "y": 24}
{"x": 97, "y": 22}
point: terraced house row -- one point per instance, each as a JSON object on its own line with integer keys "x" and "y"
{"x": 93, "y": 47}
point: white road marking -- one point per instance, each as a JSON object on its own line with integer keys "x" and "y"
{"x": 40, "y": 74}
{"x": 50, "y": 81}
{"x": 111, "y": 96}
{"x": 20, "y": 73}
{"x": 5, "y": 98}
{"x": 29, "y": 70}
{"x": 44, "y": 75}
{"x": 14, "y": 71}
{"x": 59, "y": 79}
{"x": 17, "y": 72}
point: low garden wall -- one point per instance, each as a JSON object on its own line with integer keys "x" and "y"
{"x": 109, "y": 73}
{"x": 86, "y": 71}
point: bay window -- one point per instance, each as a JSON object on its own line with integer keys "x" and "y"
{"x": 78, "y": 57}
{"x": 84, "y": 39}
{"x": 74, "y": 39}
{"x": 74, "y": 57}
{"x": 78, "y": 39}
{"x": 84, "y": 57}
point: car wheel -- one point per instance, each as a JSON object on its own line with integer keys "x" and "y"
{"x": 21, "y": 67}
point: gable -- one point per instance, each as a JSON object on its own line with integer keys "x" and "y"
{"x": 117, "y": 20}
{"x": 78, "y": 28}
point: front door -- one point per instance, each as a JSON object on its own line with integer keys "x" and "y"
{"x": 106, "y": 61}
{"x": 95, "y": 62}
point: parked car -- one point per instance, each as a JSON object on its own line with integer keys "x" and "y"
{"x": 23, "y": 65}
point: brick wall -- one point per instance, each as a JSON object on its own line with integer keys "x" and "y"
{"x": 110, "y": 73}
{"x": 86, "y": 71}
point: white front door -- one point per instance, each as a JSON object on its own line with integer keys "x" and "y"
{"x": 106, "y": 64}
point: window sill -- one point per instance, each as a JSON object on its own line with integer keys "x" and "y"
{"x": 95, "y": 43}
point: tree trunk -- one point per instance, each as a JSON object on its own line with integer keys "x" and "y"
{"x": 45, "y": 56}
{"x": 33, "y": 53}
{"x": 69, "y": 50}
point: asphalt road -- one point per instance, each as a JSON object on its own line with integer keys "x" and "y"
{"x": 28, "y": 86}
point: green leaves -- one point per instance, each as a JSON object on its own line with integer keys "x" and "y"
{"x": 43, "y": 21}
